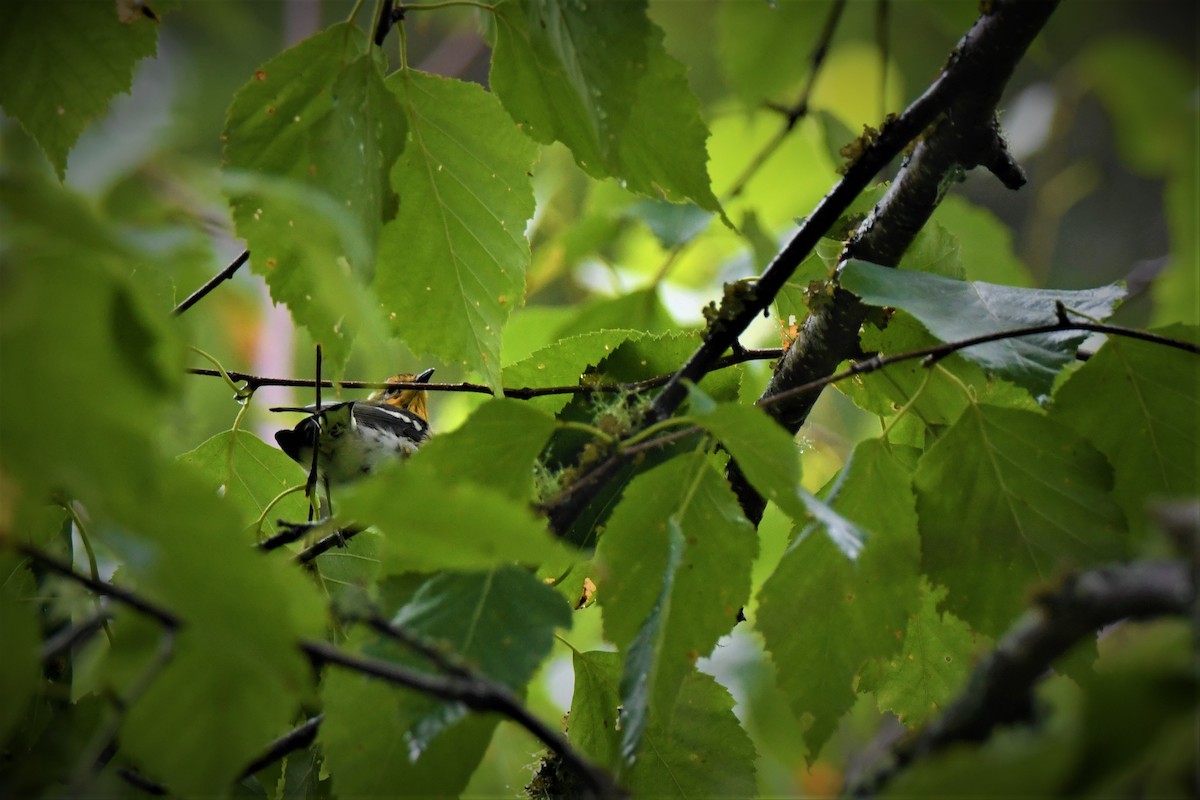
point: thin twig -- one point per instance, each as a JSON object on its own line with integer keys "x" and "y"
{"x": 797, "y": 111}
{"x": 223, "y": 275}
{"x": 478, "y": 694}
{"x": 515, "y": 393}
{"x": 440, "y": 659}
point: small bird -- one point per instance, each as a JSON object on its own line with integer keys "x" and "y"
{"x": 353, "y": 438}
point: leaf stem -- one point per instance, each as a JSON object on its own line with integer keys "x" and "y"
{"x": 908, "y": 405}
{"x": 93, "y": 565}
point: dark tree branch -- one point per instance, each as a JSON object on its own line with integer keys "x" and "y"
{"x": 336, "y": 539}
{"x": 977, "y": 71}
{"x": 964, "y": 136}
{"x": 223, "y": 275}
{"x": 387, "y": 18}
{"x": 478, "y": 694}
{"x": 1000, "y": 690}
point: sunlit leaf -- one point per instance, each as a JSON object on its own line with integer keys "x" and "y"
{"x": 564, "y": 364}
{"x": 495, "y": 447}
{"x": 421, "y": 514}
{"x": 311, "y": 137}
{"x": 763, "y": 450}
{"x": 249, "y": 473}
{"x": 596, "y": 77}
{"x": 452, "y": 264}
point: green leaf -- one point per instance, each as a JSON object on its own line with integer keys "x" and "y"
{"x": 365, "y": 740}
{"x": 985, "y": 243}
{"x": 249, "y": 473}
{"x": 766, "y": 454}
{"x": 700, "y": 750}
{"x": 350, "y": 572}
{"x": 931, "y": 669}
{"x": 823, "y": 614}
{"x": 642, "y": 358}
{"x": 421, "y": 514}
{"x": 309, "y": 141}
{"x": 564, "y": 364}
{"x": 1008, "y": 497}
{"x": 933, "y": 398}
{"x": 955, "y": 310}
{"x": 936, "y": 251}
{"x": 676, "y": 558}
{"x": 65, "y": 63}
{"x": 312, "y": 275}
{"x": 649, "y": 678}
{"x": 496, "y": 447}
{"x": 673, "y": 225}
{"x": 751, "y": 36}
{"x": 1147, "y": 422}
{"x": 500, "y": 623}
{"x": 595, "y": 729}
{"x": 242, "y": 614}
{"x": 452, "y": 264}
{"x": 319, "y": 113}
{"x": 69, "y": 293}
{"x": 597, "y": 78}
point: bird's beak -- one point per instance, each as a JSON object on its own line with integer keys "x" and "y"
{"x": 424, "y": 376}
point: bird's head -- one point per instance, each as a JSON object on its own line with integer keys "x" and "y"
{"x": 412, "y": 400}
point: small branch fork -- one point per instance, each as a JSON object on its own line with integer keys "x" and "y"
{"x": 976, "y": 73}
{"x": 929, "y": 355}
{"x": 460, "y": 684}
{"x": 1000, "y": 690}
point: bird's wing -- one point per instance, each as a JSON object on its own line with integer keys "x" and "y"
{"x": 395, "y": 421}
